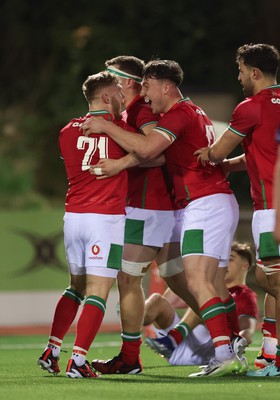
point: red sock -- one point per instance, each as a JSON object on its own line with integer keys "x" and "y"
{"x": 65, "y": 313}
{"x": 177, "y": 336}
{"x": 269, "y": 327}
{"x": 89, "y": 322}
{"x": 214, "y": 317}
{"x": 131, "y": 348}
{"x": 231, "y": 313}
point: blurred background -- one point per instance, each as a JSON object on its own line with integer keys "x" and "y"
{"x": 48, "y": 48}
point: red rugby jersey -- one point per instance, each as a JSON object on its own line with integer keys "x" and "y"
{"x": 245, "y": 300}
{"x": 85, "y": 193}
{"x": 148, "y": 188}
{"x": 189, "y": 128}
{"x": 257, "y": 119}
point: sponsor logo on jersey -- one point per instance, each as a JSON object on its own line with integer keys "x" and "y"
{"x": 200, "y": 111}
{"x": 275, "y": 101}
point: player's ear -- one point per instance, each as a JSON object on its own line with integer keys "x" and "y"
{"x": 166, "y": 88}
{"x": 257, "y": 74}
{"x": 129, "y": 82}
{"x": 105, "y": 98}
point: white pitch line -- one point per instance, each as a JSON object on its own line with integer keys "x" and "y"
{"x": 27, "y": 346}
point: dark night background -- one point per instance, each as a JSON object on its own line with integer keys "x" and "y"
{"x": 48, "y": 49}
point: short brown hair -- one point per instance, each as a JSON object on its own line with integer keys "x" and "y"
{"x": 263, "y": 56}
{"x": 244, "y": 250}
{"x": 164, "y": 69}
{"x": 130, "y": 64}
{"x": 94, "y": 83}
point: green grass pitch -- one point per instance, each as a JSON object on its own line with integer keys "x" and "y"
{"x": 21, "y": 378}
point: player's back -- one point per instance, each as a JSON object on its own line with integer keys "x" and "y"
{"x": 86, "y": 194}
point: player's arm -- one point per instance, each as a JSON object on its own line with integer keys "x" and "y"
{"x": 108, "y": 167}
{"x": 145, "y": 147}
{"x": 219, "y": 150}
{"x": 156, "y": 162}
{"x": 247, "y": 326}
{"x": 159, "y": 160}
{"x": 235, "y": 164}
{"x": 276, "y": 189}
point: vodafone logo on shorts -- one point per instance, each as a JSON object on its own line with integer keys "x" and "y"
{"x": 95, "y": 249}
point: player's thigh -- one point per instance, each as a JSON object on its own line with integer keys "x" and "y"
{"x": 209, "y": 225}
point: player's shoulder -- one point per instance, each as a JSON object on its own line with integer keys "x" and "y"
{"x": 251, "y": 102}
{"x": 243, "y": 290}
{"x": 186, "y": 106}
{"x": 142, "y": 108}
{"x": 248, "y": 107}
{"x": 124, "y": 125}
{"x": 75, "y": 123}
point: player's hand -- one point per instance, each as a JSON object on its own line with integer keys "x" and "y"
{"x": 106, "y": 168}
{"x": 225, "y": 167}
{"x": 93, "y": 125}
{"x": 202, "y": 155}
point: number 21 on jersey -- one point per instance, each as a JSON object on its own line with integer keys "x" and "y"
{"x": 210, "y": 134}
{"x": 93, "y": 144}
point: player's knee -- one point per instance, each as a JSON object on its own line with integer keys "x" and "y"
{"x": 135, "y": 268}
{"x": 128, "y": 283}
{"x": 154, "y": 302}
{"x": 154, "y": 299}
{"x": 152, "y": 308}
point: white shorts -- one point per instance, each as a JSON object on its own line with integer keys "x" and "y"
{"x": 151, "y": 227}
{"x": 209, "y": 226}
{"x": 262, "y": 227}
{"x": 94, "y": 243}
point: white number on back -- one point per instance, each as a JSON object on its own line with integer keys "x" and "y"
{"x": 93, "y": 144}
{"x": 210, "y": 133}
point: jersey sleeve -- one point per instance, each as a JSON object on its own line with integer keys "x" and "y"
{"x": 124, "y": 125}
{"x": 146, "y": 117}
{"x": 172, "y": 124}
{"x": 245, "y": 118}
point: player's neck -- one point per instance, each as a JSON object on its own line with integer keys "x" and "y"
{"x": 264, "y": 84}
{"x": 129, "y": 97}
{"x": 172, "y": 101}
{"x": 236, "y": 282}
{"x": 100, "y": 106}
